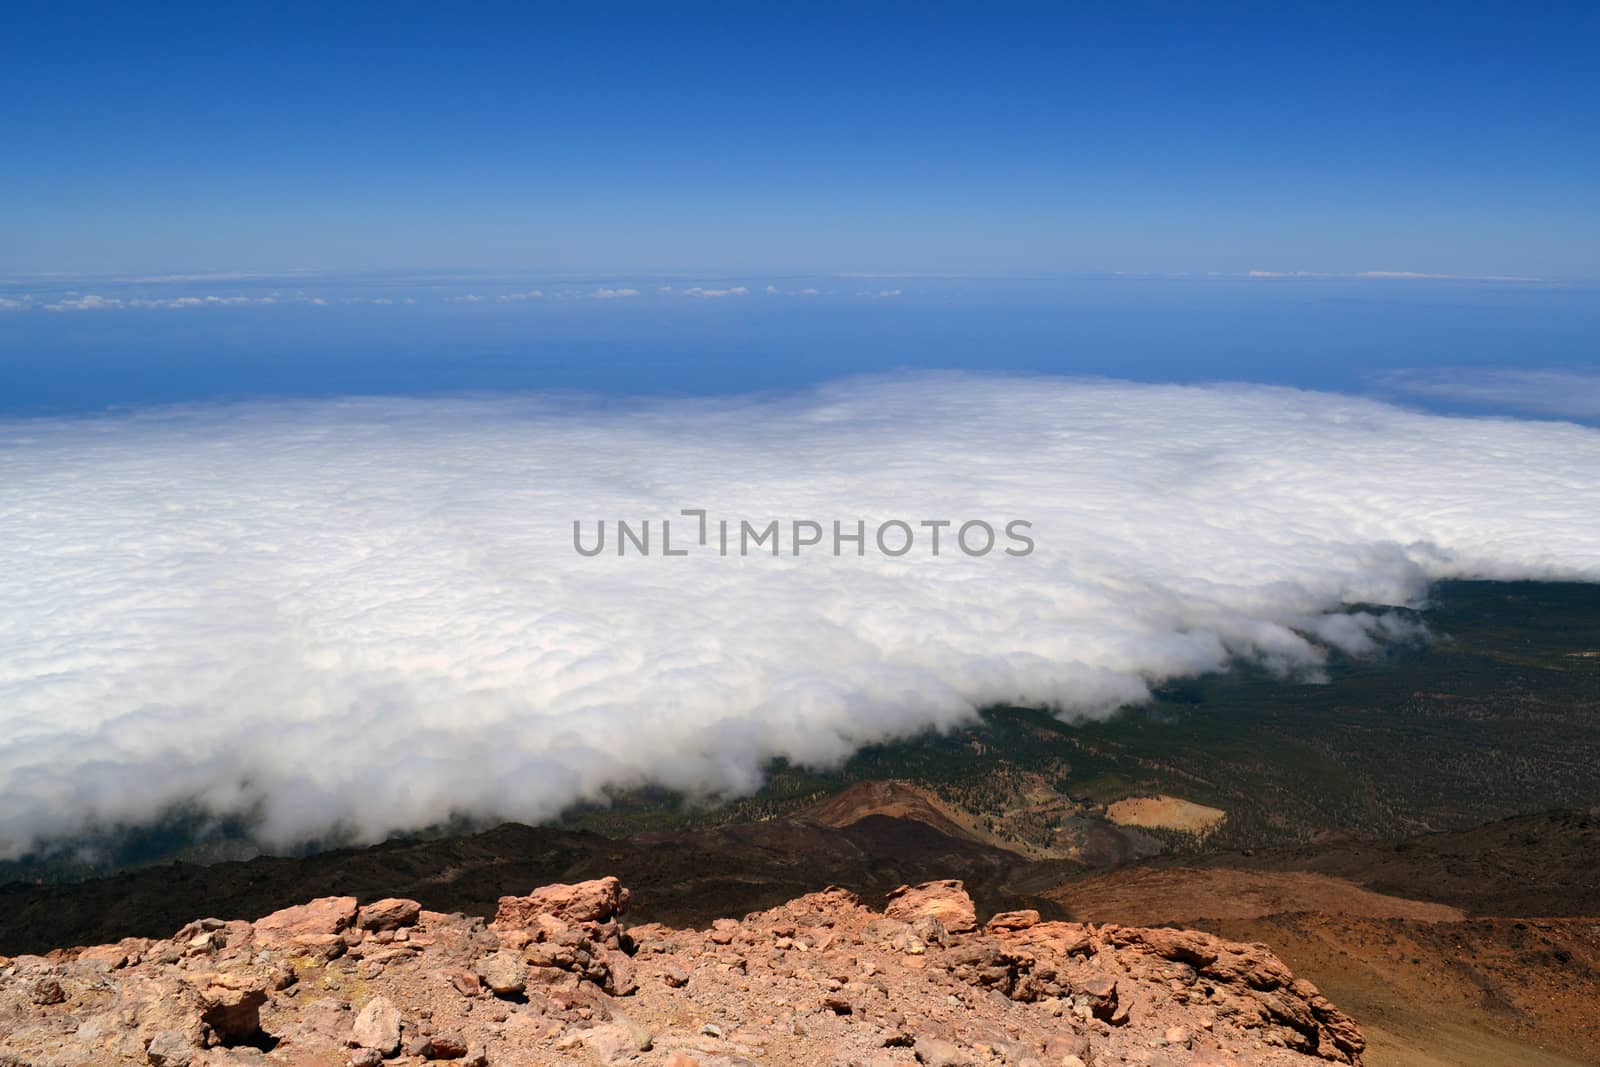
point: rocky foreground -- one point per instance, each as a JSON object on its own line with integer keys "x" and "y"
{"x": 557, "y": 978}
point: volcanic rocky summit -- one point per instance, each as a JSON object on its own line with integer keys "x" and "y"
{"x": 556, "y": 978}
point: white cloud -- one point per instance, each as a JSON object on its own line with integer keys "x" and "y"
{"x": 1392, "y": 275}
{"x": 881, "y": 294}
{"x": 93, "y": 303}
{"x": 511, "y": 298}
{"x": 183, "y": 302}
{"x": 737, "y": 290}
{"x": 9, "y": 304}
{"x": 613, "y": 294}
{"x": 369, "y": 612}
{"x": 1405, "y": 274}
{"x": 468, "y": 298}
{"x": 85, "y": 302}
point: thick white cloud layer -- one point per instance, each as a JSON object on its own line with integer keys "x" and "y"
{"x": 369, "y": 614}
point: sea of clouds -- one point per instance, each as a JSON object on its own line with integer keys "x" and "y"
{"x": 367, "y": 615}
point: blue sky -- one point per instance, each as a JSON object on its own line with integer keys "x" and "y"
{"x": 1451, "y": 139}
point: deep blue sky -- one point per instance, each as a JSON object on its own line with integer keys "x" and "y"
{"x": 1449, "y": 138}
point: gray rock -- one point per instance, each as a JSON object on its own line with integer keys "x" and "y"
{"x": 618, "y": 1040}
{"x": 378, "y": 1026}
{"x": 169, "y": 1048}
{"x": 503, "y": 973}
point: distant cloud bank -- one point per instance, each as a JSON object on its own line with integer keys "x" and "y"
{"x": 149, "y": 293}
{"x": 366, "y": 615}
{"x": 97, "y": 302}
{"x": 1391, "y": 275}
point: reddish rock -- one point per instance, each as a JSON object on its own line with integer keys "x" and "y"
{"x": 326, "y": 915}
{"x": 47, "y": 991}
{"x": 446, "y": 1047}
{"x": 230, "y": 1006}
{"x": 466, "y": 983}
{"x": 1066, "y": 939}
{"x": 1013, "y": 920}
{"x": 391, "y": 913}
{"x": 113, "y": 956}
{"x": 947, "y": 901}
{"x": 821, "y": 979}
{"x": 596, "y": 901}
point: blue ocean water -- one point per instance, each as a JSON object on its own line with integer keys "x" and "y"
{"x": 116, "y": 343}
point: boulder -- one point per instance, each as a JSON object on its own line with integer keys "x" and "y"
{"x": 112, "y": 956}
{"x": 230, "y": 1006}
{"x": 503, "y": 973}
{"x": 169, "y": 1048}
{"x": 618, "y": 1040}
{"x": 947, "y": 901}
{"x": 448, "y": 1046}
{"x": 595, "y": 901}
{"x": 378, "y": 1026}
{"x": 324, "y": 916}
{"x": 391, "y": 913}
